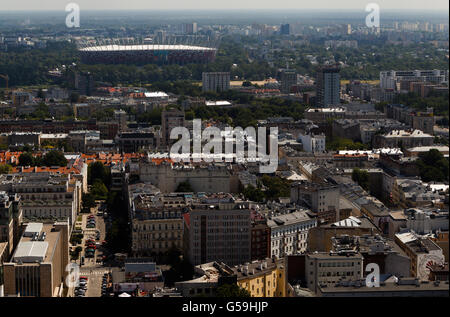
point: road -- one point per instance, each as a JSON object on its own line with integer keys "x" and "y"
{"x": 93, "y": 270}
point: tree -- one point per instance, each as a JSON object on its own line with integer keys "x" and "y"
{"x": 361, "y": 177}
{"x": 26, "y": 159}
{"x": 98, "y": 171}
{"x": 5, "y": 168}
{"x": 433, "y": 166}
{"x": 54, "y": 158}
{"x": 231, "y": 290}
{"x": 184, "y": 187}
{"x": 88, "y": 201}
{"x": 254, "y": 194}
{"x": 99, "y": 190}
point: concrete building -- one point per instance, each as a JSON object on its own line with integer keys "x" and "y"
{"x": 45, "y": 195}
{"x": 423, "y": 253}
{"x": 289, "y": 233}
{"x": 389, "y": 79}
{"x": 395, "y": 287}
{"x": 215, "y": 81}
{"x": 264, "y": 278}
{"x": 38, "y": 265}
{"x": 133, "y": 141}
{"x": 389, "y": 257}
{"x": 219, "y": 232}
{"x": 214, "y": 178}
{"x": 327, "y": 269}
{"x": 10, "y": 220}
{"x": 288, "y": 79}
{"x": 170, "y": 119}
{"x": 328, "y": 86}
{"x": 157, "y": 224}
{"x": 403, "y": 139}
{"x": 138, "y": 275}
{"x": 313, "y": 142}
{"x": 320, "y": 198}
{"x": 416, "y": 151}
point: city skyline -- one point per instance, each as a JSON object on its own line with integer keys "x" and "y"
{"x": 28, "y": 5}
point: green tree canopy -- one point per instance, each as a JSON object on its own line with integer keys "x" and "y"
{"x": 433, "y": 166}
{"x": 54, "y": 158}
{"x": 99, "y": 190}
{"x": 26, "y": 159}
{"x": 361, "y": 177}
{"x": 5, "y": 168}
{"x": 231, "y": 290}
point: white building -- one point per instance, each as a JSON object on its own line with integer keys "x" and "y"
{"x": 289, "y": 233}
{"x": 389, "y": 79}
{"x": 313, "y": 142}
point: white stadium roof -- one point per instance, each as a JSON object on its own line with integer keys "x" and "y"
{"x": 145, "y": 47}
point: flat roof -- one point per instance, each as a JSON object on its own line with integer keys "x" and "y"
{"x": 30, "y": 251}
{"x": 32, "y": 228}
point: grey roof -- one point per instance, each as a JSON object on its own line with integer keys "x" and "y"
{"x": 30, "y": 251}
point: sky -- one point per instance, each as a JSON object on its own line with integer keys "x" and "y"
{"x": 32, "y": 5}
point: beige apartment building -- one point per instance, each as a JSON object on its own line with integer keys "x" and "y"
{"x": 210, "y": 178}
{"x": 38, "y": 265}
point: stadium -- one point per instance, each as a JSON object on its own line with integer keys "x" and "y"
{"x": 147, "y": 54}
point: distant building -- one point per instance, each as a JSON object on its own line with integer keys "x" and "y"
{"x": 389, "y": 79}
{"x": 319, "y": 197}
{"x": 170, "y": 119}
{"x": 328, "y": 86}
{"x": 288, "y": 79}
{"x": 285, "y": 29}
{"x": 216, "y": 81}
{"x": 314, "y": 143}
{"x": 403, "y": 139}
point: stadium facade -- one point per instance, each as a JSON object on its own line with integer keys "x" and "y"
{"x": 147, "y": 54}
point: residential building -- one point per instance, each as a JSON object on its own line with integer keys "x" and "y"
{"x": 289, "y": 232}
{"x": 423, "y": 253}
{"x": 45, "y": 195}
{"x": 403, "y": 139}
{"x": 170, "y": 119}
{"x": 327, "y": 269}
{"x": 328, "y": 86}
{"x": 212, "y": 178}
{"x": 319, "y": 197}
{"x": 313, "y": 142}
{"x": 156, "y": 224}
{"x": 215, "y": 81}
{"x": 288, "y": 79}
{"x": 219, "y": 232}
{"x": 38, "y": 265}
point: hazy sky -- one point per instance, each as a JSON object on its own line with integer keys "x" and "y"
{"x": 222, "y": 4}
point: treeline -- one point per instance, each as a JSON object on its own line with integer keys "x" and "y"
{"x": 31, "y": 66}
{"x": 438, "y": 101}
